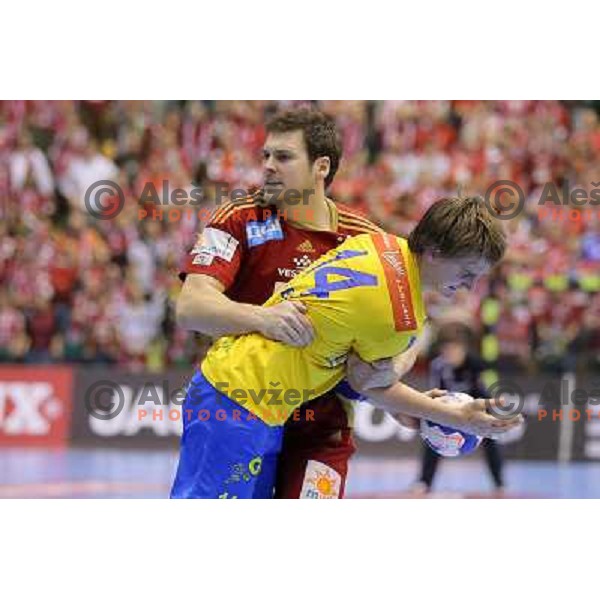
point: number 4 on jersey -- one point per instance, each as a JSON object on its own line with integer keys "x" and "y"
{"x": 352, "y": 278}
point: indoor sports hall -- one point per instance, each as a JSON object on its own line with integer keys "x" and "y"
{"x": 101, "y": 201}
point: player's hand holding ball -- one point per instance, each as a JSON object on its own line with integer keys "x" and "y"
{"x": 472, "y": 424}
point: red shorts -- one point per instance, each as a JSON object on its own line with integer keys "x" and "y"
{"x": 316, "y": 450}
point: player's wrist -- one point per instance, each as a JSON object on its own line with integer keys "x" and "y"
{"x": 257, "y": 319}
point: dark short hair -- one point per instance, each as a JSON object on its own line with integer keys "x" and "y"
{"x": 321, "y": 136}
{"x": 460, "y": 226}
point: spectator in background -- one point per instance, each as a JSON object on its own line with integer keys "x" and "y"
{"x": 142, "y": 255}
{"x": 585, "y": 347}
{"x": 27, "y": 163}
{"x": 14, "y": 342}
{"x": 85, "y": 167}
{"x": 557, "y": 329}
{"x": 590, "y": 244}
{"x": 41, "y": 328}
{"x": 139, "y": 324}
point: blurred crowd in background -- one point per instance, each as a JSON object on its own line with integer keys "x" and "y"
{"x": 75, "y": 288}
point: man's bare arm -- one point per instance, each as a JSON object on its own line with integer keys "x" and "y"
{"x": 203, "y": 307}
{"x": 470, "y": 417}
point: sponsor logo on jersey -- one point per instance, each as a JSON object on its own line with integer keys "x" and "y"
{"x": 302, "y": 261}
{"x": 213, "y": 243}
{"x": 306, "y": 246}
{"x": 321, "y": 482}
{"x": 260, "y": 232}
{"x": 394, "y": 259}
{"x": 287, "y": 273}
{"x": 398, "y": 283}
{"x": 204, "y": 260}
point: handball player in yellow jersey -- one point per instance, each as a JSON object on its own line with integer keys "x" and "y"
{"x": 365, "y": 296}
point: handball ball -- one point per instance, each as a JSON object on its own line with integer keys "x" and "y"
{"x": 447, "y": 441}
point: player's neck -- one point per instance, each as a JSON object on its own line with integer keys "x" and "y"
{"x": 316, "y": 214}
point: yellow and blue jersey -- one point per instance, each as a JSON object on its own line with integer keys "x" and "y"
{"x": 363, "y": 296}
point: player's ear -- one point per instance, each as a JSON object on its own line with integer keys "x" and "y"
{"x": 322, "y": 166}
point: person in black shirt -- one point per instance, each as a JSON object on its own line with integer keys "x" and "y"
{"x": 456, "y": 370}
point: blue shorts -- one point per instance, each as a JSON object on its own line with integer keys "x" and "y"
{"x": 226, "y": 452}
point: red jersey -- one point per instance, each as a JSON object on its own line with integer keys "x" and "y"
{"x": 250, "y": 249}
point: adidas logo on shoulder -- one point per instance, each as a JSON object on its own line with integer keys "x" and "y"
{"x": 306, "y": 246}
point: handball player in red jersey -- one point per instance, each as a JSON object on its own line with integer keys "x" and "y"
{"x": 251, "y": 246}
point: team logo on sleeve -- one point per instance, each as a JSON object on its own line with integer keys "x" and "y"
{"x": 259, "y": 232}
{"x": 321, "y": 482}
{"x": 213, "y": 243}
